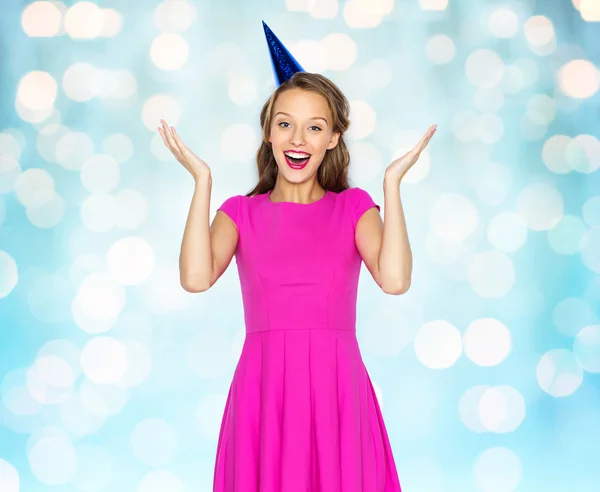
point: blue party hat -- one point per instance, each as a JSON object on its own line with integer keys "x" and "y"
{"x": 284, "y": 64}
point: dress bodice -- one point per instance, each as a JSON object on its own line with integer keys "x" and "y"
{"x": 298, "y": 263}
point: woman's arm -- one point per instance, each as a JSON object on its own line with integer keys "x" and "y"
{"x": 385, "y": 247}
{"x": 395, "y": 257}
{"x": 205, "y": 252}
{"x": 195, "y": 258}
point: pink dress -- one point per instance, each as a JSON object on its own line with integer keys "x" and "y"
{"x": 301, "y": 414}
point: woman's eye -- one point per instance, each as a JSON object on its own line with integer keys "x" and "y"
{"x": 285, "y": 122}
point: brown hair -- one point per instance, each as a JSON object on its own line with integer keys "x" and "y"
{"x": 333, "y": 171}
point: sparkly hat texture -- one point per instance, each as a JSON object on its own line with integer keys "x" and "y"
{"x": 284, "y": 64}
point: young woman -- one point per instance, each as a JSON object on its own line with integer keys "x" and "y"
{"x": 301, "y": 413}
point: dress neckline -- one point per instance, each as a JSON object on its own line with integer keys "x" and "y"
{"x": 268, "y": 195}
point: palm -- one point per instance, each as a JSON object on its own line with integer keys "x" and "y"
{"x": 399, "y": 167}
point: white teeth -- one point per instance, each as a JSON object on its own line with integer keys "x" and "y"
{"x": 298, "y": 156}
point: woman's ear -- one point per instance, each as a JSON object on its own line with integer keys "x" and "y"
{"x": 334, "y": 141}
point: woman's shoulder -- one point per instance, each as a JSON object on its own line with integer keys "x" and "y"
{"x": 358, "y": 201}
{"x": 355, "y": 194}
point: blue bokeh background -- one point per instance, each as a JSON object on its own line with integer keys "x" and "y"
{"x": 113, "y": 378}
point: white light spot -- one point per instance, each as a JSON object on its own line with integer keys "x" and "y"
{"x": 154, "y": 442}
{"x": 363, "y": 119}
{"x": 33, "y": 186}
{"x": 209, "y": 413}
{"x": 159, "y": 107}
{"x": 453, "y": 217}
{"x": 590, "y": 249}
{"x": 587, "y": 348}
{"x": 340, "y": 51}
{"x": 47, "y": 140}
{"x": 102, "y": 400}
{"x": 36, "y": 91}
{"x": 130, "y": 260}
{"x": 100, "y": 296}
{"x": 579, "y": 79}
{"x": 324, "y": 9}
{"x": 438, "y": 344}
{"x": 541, "y": 205}
{"x": 507, "y": 232}
{"x": 169, "y": 52}
{"x": 377, "y": 74}
{"x": 487, "y": 342}
{"x": 42, "y": 19}
{"x": 554, "y": 154}
{"x": 491, "y": 274}
{"x": 163, "y": 292}
{"x": 363, "y": 14}
{"x": 175, "y": 15}
{"x": 73, "y": 149}
{"x": 77, "y": 81}
{"x": 440, "y": 49}
{"x": 160, "y": 481}
{"x": 113, "y": 23}
{"x": 50, "y": 380}
{"x": 559, "y": 372}
{"x": 583, "y": 154}
{"x": 132, "y": 209}
{"x": 541, "y": 109}
{"x": 367, "y": 161}
{"x": 498, "y": 470}
{"x": 9, "y": 477}
{"x": 242, "y": 90}
{"x": 95, "y": 469}
{"x": 468, "y": 408}
{"x": 16, "y": 398}
{"x": 104, "y": 360}
{"x": 503, "y": 23}
{"x": 422, "y": 473}
{"x": 52, "y": 460}
{"x": 100, "y": 173}
{"x": 76, "y": 418}
{"x": 84, "y": 20}
{"x": 484, "y": 68}
{"x": 99, "y": 212}
{"x": 539, "y": 31}
{"x": 66, "y": 350}
{"x": 238, "y": 143}
{"x": 10, "y": 171}
{"x": 139, "y": 364}
{"x": 208, "y": 354}
{"x": 9, "y": 274}
{"x": 310, "y": 54}
{"x": 119, "y": 146}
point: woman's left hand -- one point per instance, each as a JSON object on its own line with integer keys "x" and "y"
{"x": 398, "y": 168}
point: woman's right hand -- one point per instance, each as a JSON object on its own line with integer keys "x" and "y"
{"x": 196, "y": 166}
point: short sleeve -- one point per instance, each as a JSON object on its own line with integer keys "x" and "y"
{"x": 361, "y": 202}
{"x": 231, "y": 207}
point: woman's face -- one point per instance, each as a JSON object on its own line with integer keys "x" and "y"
{"x": 301, "y": 124}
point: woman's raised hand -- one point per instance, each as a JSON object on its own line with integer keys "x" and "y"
{"x": 196, "y": 166}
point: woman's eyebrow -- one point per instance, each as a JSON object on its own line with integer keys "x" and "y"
{"x": 313, "y": 118}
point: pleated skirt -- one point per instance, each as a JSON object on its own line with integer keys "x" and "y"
{"x": 301, "y": 415}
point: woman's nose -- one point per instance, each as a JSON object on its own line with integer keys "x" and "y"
{"x": 297, "y": 138}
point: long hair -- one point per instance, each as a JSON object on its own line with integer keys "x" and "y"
{"x": 332, "y": 174}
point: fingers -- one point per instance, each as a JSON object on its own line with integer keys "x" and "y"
{"x": 167, "y": 135}
{"x": 178, "y": 141}
{"x": 425, "y": 139}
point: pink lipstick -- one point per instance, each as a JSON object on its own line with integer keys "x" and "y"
{"x": 299, "y": 165}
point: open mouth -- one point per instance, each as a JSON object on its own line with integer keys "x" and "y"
{"x": 296, "y": 162}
